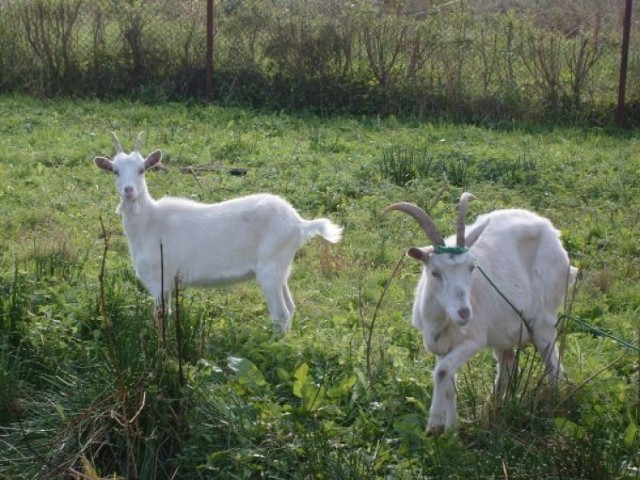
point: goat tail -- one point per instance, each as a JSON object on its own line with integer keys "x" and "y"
{"x": 323, "y": 227}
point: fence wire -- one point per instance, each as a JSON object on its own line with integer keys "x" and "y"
{"x": 102, "y": 47}
{"x": 478, "y": 59}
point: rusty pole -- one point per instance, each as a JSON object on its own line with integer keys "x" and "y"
{"x": 626, "y": 31}
{"x": 208, "y": 88}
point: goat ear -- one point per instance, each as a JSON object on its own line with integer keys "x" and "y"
{"x": 153, "y": 159}
{"x": 103, "y": 164}
{"x": 420, "y": 254}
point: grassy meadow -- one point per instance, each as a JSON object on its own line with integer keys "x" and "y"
{"x": 92, "y": 386}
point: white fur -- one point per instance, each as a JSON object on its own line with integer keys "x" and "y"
{"x": 460, "y": 313}
{"x": 252, "y": 237}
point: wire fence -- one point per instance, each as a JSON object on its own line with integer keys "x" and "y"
{"x": 103, "y": 47}
{"x": 475, "y": 59}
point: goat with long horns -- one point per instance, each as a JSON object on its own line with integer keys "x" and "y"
{"x": 497, "y": 283}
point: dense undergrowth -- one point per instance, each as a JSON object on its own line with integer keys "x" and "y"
{"x": 93, "y": 386}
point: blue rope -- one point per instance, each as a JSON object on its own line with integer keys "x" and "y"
{"x": 599, "y": 332}
{"x": 583, "y": 323}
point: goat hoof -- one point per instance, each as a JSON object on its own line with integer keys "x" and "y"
{"x": 435, "y": 431}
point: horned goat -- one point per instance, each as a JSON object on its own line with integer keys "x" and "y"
{"x": 251, "y": 237}
{"x": 497, "y": 283}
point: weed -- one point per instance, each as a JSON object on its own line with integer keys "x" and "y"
{"x": 403, "y": 164}
{"x": 521, "y": 171}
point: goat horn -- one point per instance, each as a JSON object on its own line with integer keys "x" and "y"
{"x": 116, "y": 143}
{"x": 421, "y": 217}
{"x": 462, "y": 212}
{"x": 139, "y": 142}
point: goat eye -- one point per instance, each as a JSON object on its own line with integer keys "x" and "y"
{"x": 116, "y": 173}
{"x": 141, "y": 171}
{"x": 436, "y": 274}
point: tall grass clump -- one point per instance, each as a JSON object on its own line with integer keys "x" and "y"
{"x": 402, "y": 164}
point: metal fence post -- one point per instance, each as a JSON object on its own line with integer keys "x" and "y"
{"x": 210, "y": 35}
{"x": 622, "y": 85}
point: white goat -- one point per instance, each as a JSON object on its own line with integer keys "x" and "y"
{"x": 460, "y": 312}
{"x": 210, "y": 244}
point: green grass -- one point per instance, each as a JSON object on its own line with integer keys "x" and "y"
{"x": 340, "y": 396}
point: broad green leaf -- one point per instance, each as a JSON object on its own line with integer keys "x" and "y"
{"x": 304, "y": 388}
{"x": 569, "y": 428}
{"x": 343, "y": 388}
{"x": 630, "y": 434}
{"x": 312, "y": 396}
{"x": 301, "y": 377}
{"x": 247, "y": 374}
{"x": 283, "y": 374}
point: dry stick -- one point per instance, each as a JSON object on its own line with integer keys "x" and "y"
{"x": 163, "y": 313}
{"x": 108, "y": 331}
{"x": 362, "y": 321}
{"x": 178, "y": 330}
{"x": 505, "y": 471}
{"x": 369, "y": 334}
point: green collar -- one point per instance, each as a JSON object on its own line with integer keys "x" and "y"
{"x": 452, "y": 250}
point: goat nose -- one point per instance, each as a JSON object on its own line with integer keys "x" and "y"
{"x": 128, "y": 190}
{"x": 464, "y": 313}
